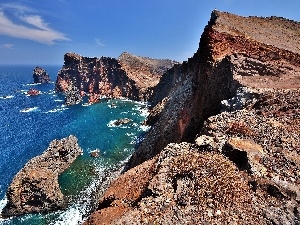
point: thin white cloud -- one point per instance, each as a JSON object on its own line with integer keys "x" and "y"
{"x": 33, "y": 27}
{"x": 99, "y": 42}
{"x": 8, "y": 46}
{"x": 36, "y": 21}
{"x": 17, "y": 7}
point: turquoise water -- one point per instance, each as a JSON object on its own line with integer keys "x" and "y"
{"x": 29, "y": 123}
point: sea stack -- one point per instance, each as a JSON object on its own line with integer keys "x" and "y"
{"x": 40, "y": 75}
{"x": 35, "y": 188}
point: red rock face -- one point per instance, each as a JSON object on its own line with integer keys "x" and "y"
{"x": 101, "y": 76}
{"x": 130, "y": 77}
{"x": 230, "y": 54}
{"x": 33, "y": 92}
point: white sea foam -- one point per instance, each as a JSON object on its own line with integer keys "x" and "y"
{"x": 26, "y": 110}
{"x": 112, "y": 106}
{"x": 112, "y": 123}
{"x": 31, "y": 84}
{"x": 86, "y": 104}
{"x": 144, "y": 128}
{"x": 72, "y": 216}
{"x": 3, "y": 203}
{"x": 58, "y": 100}
{"x": 56, "y": 110}
{"x": 7, "y": 97}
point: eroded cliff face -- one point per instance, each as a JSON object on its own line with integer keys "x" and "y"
{"x": 250, "y": 150}
{"x": 145, "y": 71}
{"x": 131, "y": 76}
{"x": 233, "y": 51}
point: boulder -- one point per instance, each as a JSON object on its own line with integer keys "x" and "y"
{"x": 246, "y": 154}
{"x": 40, "y": 75}
{"x": 35, "y": 187}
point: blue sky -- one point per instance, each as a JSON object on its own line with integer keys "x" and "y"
{"x": 41, "y": 32}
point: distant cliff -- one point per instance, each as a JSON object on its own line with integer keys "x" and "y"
{"x": 237, "y": 102}
{"x": 130, "y": 76}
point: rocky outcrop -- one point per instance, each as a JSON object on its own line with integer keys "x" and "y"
{"x": 35, "y": 187}
{"x": 40, "y": 75}
{"x": 130, "y": 76}
{"x": 33, "y": 92}
{"x": 263, "y": 140}
{"x": 181, "y": 185}
{"x": 145, "y": 71}
{"x": 245, "y": 141}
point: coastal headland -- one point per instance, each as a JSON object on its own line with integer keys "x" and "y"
{"x": 224, "y": 142}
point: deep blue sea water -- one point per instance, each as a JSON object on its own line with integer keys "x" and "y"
{"x": 29, "y": 123}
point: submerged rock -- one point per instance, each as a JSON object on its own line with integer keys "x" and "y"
{"x": 95, "y": 153}
{"x": 40, "y": 75}
{"x": 35, "y": 188}
{"x": 122, "y": 121}
{"x": 33, "y": 92}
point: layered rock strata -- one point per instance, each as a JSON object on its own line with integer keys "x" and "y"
{"x": 130, "y": 76}
{"x": 40, "y": 75}
{"x": 250, "y": 150}
{"x": 35, "y": 187}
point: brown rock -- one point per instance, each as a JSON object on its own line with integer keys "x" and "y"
{"x": 33, "y": 92}
{"x": 246, "y": 154}
{"x": 40, "y": 75}
{"x": 35, "y": 187}
{"x": 95, "y": 153}
{"x": 179, "y": 186}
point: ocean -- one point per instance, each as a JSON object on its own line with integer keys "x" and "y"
{"x": 29, "y": 123}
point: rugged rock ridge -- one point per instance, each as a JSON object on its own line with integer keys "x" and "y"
{"x": 35, "y": 188}
{"x": 145, "y": 71}
{"x": 130, "y": 76}
{"x": 227, "y": 58}
{"x": 258, "y": 132}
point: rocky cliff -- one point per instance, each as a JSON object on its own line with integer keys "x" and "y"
{"x": 237, "y": 102}
{"x": 35, "y": 187}
{"x": 130, "y": 76}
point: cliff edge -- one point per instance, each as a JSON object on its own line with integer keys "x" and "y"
{"x": 237, "y": 102}
{"x": 128, "y": 76}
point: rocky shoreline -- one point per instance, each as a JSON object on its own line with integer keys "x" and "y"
{"x": 225, "y": 137}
